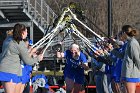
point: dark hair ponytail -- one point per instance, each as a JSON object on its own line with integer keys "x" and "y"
{"x": 133, "y": 33}
{"x": 129, "y": 30}
{"x": 17, "y": 32}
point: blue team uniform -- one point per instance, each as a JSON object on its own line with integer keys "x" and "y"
{"x": 26, "y": 71}
{"x": 118, "y": 65}
{"x": 72, "y": 69}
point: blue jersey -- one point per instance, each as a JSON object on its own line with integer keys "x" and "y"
{"x": 73, "y": 69}
{"x": 26, "y": 71}
{"x": 118, "y": 65}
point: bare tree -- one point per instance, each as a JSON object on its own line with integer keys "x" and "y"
{"x": 123, "y": 12}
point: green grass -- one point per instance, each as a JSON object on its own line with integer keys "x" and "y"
{"x": 47, "y": 73}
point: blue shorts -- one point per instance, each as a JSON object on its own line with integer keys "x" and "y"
{"x": 135, "y": 80}
{"x": 8, "y": 77}
{"x": 25, "y": 79}
{"x": 26, "y": 70}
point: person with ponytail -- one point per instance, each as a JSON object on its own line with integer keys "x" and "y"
{"x": 10, "y": 62}
{"x": 130, "y": 73}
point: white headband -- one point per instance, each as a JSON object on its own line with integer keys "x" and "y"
{"x": 74, "y": 46}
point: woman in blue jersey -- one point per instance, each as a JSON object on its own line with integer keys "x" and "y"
{"x": 117, "y": 64}
{"x": 76, "y": 63}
